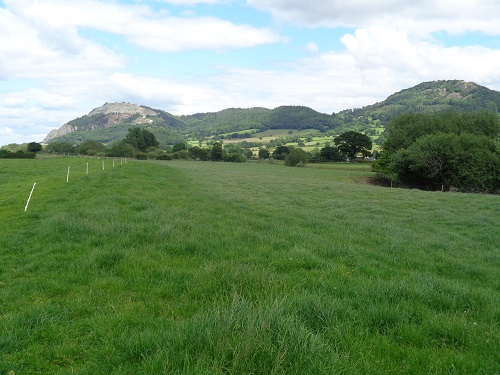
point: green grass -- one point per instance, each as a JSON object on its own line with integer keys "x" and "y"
{"x": 254, "y": 268}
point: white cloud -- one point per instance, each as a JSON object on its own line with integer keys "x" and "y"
{"x": 167, "y": 94}
{"x": 178, "y": 34}
{"x": 25, "y": 52}
{"x": 59, "y": 21}
{"x": 425, "y": 16}
{"x": 4, "y": 130}
{"x": 312, "y": 47}
{"x": 388, "y": 49}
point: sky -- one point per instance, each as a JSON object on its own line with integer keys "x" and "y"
{"x": 59, "y": 59}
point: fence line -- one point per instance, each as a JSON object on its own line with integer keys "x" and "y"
{"x": 54, "y": 177}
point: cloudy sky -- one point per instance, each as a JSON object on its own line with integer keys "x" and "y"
{"x": 59, "y": 59}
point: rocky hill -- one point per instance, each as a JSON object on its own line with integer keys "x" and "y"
{"x": 112, "y": 120}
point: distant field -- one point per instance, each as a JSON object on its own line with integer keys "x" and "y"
{"x": 269, "y": 135}
{"x": 219, "y": 268}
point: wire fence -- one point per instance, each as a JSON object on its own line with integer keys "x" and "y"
{"x": 43, "y": 183}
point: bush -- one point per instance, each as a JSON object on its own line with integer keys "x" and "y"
{"x": 280, "y": 152}
{"x": 141, "y": 156}
{"x": 121, "y": 149}
{"x": 235, "y": 158}
{"x": 264, "y": 153}
{"x": 182, "y": 154}
{"x": 164, "y": 157}
{"x": 296, "y": 157}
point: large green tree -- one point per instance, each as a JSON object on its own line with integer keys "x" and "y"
{"x": 217, "y": 152}
{"x": 141, "y": 139}
{"x": 443, "y": 160}
{"x": 404, "y": 130}
{"x": 352, "y": 143}
{"x": 443, "y": 151}
{"x": 34, "y": 147}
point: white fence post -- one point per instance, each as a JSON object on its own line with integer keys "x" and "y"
{"x": 67, "y": 176}
{"x": 29, "y": 198}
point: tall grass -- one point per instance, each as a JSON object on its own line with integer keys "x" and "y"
{"x": 216, "y": 268}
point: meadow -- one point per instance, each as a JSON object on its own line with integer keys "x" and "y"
{"x": 181, "y": 267}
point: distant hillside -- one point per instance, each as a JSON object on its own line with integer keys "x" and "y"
{"x": 428, "y": 97}
{"x": 226, "y": 121}
{"x": 112, "y": 120}
{"x": 259, "y": 119}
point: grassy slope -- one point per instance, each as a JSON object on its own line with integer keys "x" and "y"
{"x": 211, "y": 268}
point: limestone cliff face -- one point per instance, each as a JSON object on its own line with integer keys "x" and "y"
{"x": 63, "y": 130}
{"x": 105, "y": 116}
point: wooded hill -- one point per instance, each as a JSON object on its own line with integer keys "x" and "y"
{"x": 111, "y": 121}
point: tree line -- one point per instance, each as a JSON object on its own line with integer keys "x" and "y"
{"x": 142, "y": 144}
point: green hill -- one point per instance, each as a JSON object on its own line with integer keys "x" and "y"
{"x": 226, "y": 121}
{"x": 427, "y": 97}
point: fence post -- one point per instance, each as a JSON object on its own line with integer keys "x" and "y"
{"x": 29, "y": 198}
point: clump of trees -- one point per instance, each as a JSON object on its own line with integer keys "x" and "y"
{"x": 443, "y": 151}
{"x": 140, "y": 139}
{"x": 91, "y": 148}
{"x": 136, "y": 143}
{"x": 280, "y": 152}
{"x": 60, "y": 147}
{"x": 23, "y": 151}
{"x": 19, "y": 154}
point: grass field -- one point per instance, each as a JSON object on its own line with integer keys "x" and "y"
{"x": 220, "y": 268}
